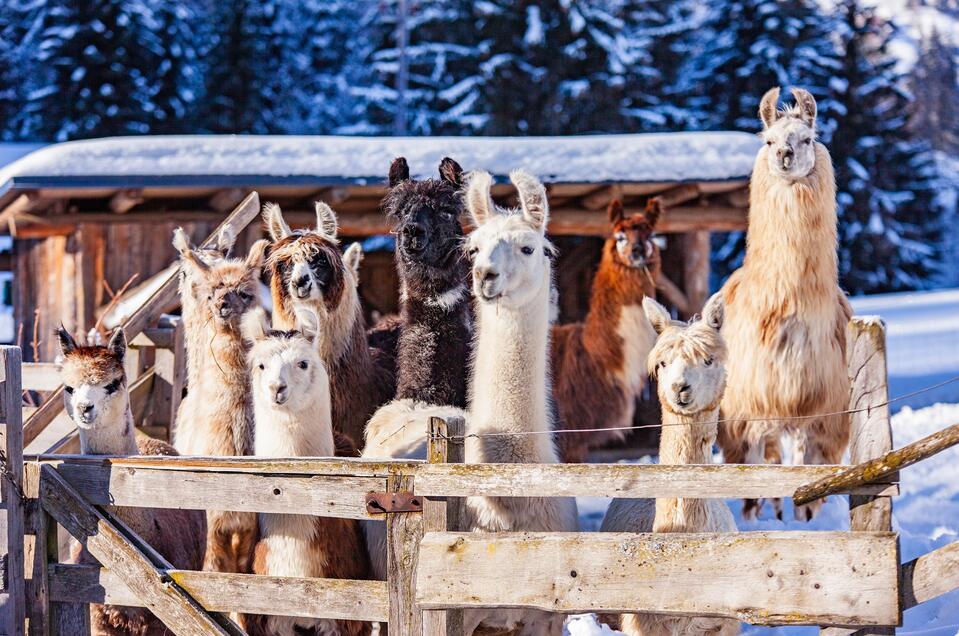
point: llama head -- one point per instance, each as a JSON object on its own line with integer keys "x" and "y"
{"x": 285, "y": 366}
{"x": 790, "y": 134}
{"x": 426, "y": 219}
{"x": 306, "y": 266}
{"x": 688, "y": 359}
{"x": 223, "y": 288}
{"x": 509, "y": 251}
{"x": 93, "y": 380}
{"x": 633, "y": 240}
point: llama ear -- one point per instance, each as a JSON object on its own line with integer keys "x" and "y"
{"x": 715, "y": 311}
{"x": 615, "y": 211}
{"x": 451, "y": 172}
{"x": 532, "y": 199}
{"x": 399, "y": 171}
{"x": 326, "y": 224}
{"x": 254, "y": 260}
{"x": 67, "y": 344}
{"x": 657, "y": 315}
{"x": 225, "y": 240}
{"x": 768, "y": 111}
{"x": 654, "y": 208}
{"x": 190, "y": 260}
{"x": 275, "y": 224}
{"x": 181, "y": 242}
{"x": 353, "y": 257}
{"x": 254, "y": 326}
{"x": 478, "y": 199}
{"x": 118, "y": 344}
{"x": 807, "y": 106}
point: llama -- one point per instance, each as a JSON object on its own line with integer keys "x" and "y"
{"x": 96, "y": 399}
{"x": 689, "y": 364}
{"x": 598, "y": 364}
{"x": 510, "y": 384}
{"x": 785, "y": 313}
{"x": 291, "y": 404}
{"x": 309, "y": 277}
{"x": 216, "y": 418}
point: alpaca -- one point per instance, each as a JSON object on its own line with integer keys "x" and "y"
{"x": 216, "y": 418}
{"x": 96, "y": 399}
{"x": 598, "y": 364}
{"x": 785, "y": 313}
{"x": 689, "y": 364}
{"x": 291, "y": 404}
{"x": 309, "y": 277}
{"x": 510, "y": 384}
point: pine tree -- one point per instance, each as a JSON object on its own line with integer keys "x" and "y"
{"x": 888, "y": 228}
{"x": 94, "y": 62}
{"x": 176, "y": 80}
{"x": 934, "y": 82}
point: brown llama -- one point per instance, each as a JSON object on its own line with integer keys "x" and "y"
{"x": 96, "y": 398}
{"x": 785, "y": 313}
{"x": 599, "y": 365}
{"x": 216, "y": 417}
{"x": 309, "y": 277}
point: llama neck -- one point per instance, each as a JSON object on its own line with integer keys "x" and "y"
{"x": 684, "y": 440}
{"x": 198, "y": 332}
{"x": 791, "y": 240}
{"x": 114, "y": 433}
{"x": 286, "y": 432}
{"x": 510, "y": 383}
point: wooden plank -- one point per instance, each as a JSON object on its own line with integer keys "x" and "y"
{"x": 715, "y": 218}
{"x": 767, "y": 578}
{"x": 170, "y": 365}
{"x": 696, "y": 251}
{"x": 326, "y": 496}
{"x": 125, "y": 200}
{"x": 243, "y": 593}
{"x": 106, "y": 543}
{"x": 881, "y": 467}
{"x": 156, "y": 337}
{"x": 12, "y": 487}
{"x": 683, "y": 193}
{"x": 713, "y": 481}
{"x": 40, "y": 376}
{"x": 146, "y": 313}
{"x": 930, "y": 576}
{"x": 403, "y": 533}
{"x": 600, "y": 198}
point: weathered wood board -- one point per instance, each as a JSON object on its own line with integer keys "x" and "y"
{"x": 819, "y": 578}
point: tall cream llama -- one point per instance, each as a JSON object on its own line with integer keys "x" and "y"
{"x": 785, "y": 314}
{"x": 510, "y": 383}
{"x": 689, "y": 363}
{"x": 291, "y": 405}
{"x": 217, "y": 416}
{"x": 96, "y": 398}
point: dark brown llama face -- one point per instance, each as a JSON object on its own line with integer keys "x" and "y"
{"x": 634, "y": 236}
{"x": 425, "y": 215}
{"x": 308, "y": 267}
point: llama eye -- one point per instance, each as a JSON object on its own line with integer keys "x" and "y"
{"x": 245, "y": 296}
{"x": 112, "y": 387}
{"x": 620, "y": 237}
{"x": 708, "y": 362}
{"x": 261, "y": 367}
{"x": 662, "y": 364}
{"x": 303, "y": 364}
{"x": 473, "y": 251}
{"x": 807, "y": 141}
{"x": 68, "y": 389}
{"x": 769, "y": 143}
{"x": 526, "y": 249}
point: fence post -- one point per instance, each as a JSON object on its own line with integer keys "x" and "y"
{"x": 403, "y": 533}
{"x": 870, "y": 430}
{"x": 444, "y": 513}
{"x": 11, "y": 414}
{"x": 170, "y": 365}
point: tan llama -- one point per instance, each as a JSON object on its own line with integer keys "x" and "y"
{"x": 96, "y": 398}
{"x": 785, "y": 314}
{"x": 216, "y": 417}
{"x": 689, "y": 364}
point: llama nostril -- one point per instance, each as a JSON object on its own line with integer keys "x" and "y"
{"x": 225, "y": 311}
{"x": 490, "y": 275}
{"x": 302, "y": 281}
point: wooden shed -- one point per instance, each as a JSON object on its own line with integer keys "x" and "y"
{"x": 86, "y": 216}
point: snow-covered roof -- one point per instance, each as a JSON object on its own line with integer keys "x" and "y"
{"x": 11, "y": 151}
{"x": 229, "y": 160}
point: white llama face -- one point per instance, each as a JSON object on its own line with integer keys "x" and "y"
{"x": 285, "y": 366}
{"x": 94, "y": 381}
{"x": 790, "y": 148}
{"x": 690, "y": 383}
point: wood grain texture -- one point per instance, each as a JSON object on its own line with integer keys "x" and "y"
{"x": 931, "y": 575}
{"x": 325, "y": 496}
{"x": 11, "y": 484}
{"x": 40, "y": 376}
{"x": 757, "y": 577}
{"x": 243, "y": 593}
{"x": 170, "y": 366}
{"x": 403, "y": 533}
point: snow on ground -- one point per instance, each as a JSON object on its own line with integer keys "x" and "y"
{"x": 701, "y": 156}
{"x": 923, "y": 348}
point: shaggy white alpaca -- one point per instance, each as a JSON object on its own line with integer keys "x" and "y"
{"x": 689, "y": 363}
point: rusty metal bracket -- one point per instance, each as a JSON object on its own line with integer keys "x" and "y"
{"x": 386, "y": 502}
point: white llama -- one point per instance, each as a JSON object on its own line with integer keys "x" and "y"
{"x": 689, "y": 363}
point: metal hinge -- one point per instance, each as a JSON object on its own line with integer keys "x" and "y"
{"x": 378, "y": 503}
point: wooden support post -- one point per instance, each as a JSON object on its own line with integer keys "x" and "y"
{"x": 12, "y": 486}
{"x": 403, "y": 533}
{"x": 695, "y": 247}
{"x": 446, "y": 446}
{"x": 870, "y": 430}
{"x": 107, "y": 543}
{"x": 170, "y": 365}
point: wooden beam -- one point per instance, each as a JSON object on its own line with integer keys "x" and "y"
{"x": 765, "y": 578}
{"x": 695, "y": 254}
{"x": 12, "y": 487}
{"x": 170, "y": 381}
{"x": 104, "y": 540}
{"x": 340, "y": 599}
{"x": 156, "y": 337}
{"x": 146, "y": 313}
{"x": 930, "y": 576}
{"x": 125, "y": 200}
{"x": 227, "y": 199}
{"x": 577, "y": 222}
{"x": 403, "y": 533}
{"x": 683, "y": 193}
{"x": 600, "y": 198}
{"x": 40, "y": 376}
